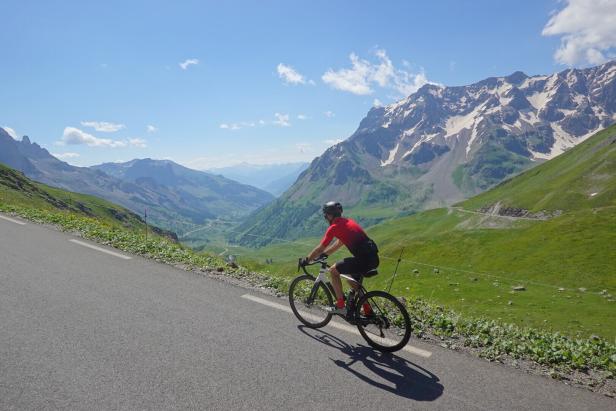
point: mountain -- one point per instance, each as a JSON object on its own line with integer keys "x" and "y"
{"x": 215, "y": 195}
{"x": 18, "y": 190}
{"x": 441, "y": 145}
{"x": 273, "y": 178}
{"x": 205, "y": 196}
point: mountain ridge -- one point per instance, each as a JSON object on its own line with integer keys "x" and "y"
{"x": 441, "y": 145}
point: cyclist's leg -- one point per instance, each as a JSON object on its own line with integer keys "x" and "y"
{"x": 349, "y": 266}
{"x": 336, "y": 282}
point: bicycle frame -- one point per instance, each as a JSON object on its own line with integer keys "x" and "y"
{"x": 322, "y": 278}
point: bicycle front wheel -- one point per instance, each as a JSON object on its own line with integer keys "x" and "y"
{"x": 308, "y": 301}
{"x": 387, "y": 325}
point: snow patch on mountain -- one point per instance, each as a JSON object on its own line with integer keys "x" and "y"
{"x": 392, "y": 156}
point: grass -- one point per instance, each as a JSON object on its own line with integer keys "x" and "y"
{"x": 17, "y": 190}
{"x": 477, "y": 268}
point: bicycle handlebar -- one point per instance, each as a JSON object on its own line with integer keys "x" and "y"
{"x": 322, "y": 259}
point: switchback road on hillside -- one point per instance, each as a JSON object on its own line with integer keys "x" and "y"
{"x": 83, "y": 326}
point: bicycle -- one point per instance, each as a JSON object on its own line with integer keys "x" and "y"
{"x": 386, "y": 326}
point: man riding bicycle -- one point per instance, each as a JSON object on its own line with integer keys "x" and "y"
{"x": 365, "y": 252}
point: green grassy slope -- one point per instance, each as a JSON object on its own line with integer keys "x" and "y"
{"x": 565, "y": 263}
{"x": 581, "y": 178}
{"x": 18, "y": 190}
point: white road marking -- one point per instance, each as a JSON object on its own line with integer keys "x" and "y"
{"x": 102, "y": 250}
{"x": 334, "y": 324}
{"x": 12, "y": 220}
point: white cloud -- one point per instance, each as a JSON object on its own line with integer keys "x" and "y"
{"x": 282, "y": 120}
{"x": 329, "y": 114}
{"x": 75, "y": 136}
{"x": 151, "y": 129}
{"x": 137, "y": 142}
{"x": 333, "y": 141}
{"x": 103, "y": 126}
{"x": 377, "y": 103}
{"x": 238, "y": 126}
{"x": 354, "y": 80}
{"x": 587, "y": 30}
{"x": 188, "y": 62}
{"x": 364, "y": 75}
{"x": 302, "y": 117}
{"x": 65, "y": 156}
{"x": 289, "y": 75}
{"x": 11, "y": 132}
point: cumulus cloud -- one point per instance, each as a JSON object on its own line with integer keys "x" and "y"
{"x": 302, "y": 117}
{"x": 188, "y": 62}
{"x": 75, "y": 136}
{"x": 65, "y": 156}
{"x": 364, "y": 75}
{"x": 377, "y": 103}
{"x": 329, "y": 114}
{"x": 137, "y": 142}
{"x": 586, "y": 28}
{"x": 11, "y": 132}
{"x": 151, "y": 129}
{"x": 282, "y": 120}
{"x": 103, "y": 126}
{"x": 289, "y": 75}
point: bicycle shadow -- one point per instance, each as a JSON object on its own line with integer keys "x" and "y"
{"x": 398, "y": 375}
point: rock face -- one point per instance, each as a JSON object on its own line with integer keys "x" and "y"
{"x": 443, "y": 144}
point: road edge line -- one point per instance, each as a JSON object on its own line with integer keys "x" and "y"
{"x": 102, "y": 250}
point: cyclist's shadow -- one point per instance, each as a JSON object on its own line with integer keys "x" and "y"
{"x": 406, "y": 379}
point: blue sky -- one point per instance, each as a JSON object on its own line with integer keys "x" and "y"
{"x": 215, "y": 83}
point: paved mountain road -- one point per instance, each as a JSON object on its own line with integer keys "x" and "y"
{"x": 84, "y": 329}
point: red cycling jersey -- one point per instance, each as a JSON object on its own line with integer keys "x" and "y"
{"x": 347, "y": 231}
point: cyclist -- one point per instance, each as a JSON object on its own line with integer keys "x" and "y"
{"x": 346, "y": 232}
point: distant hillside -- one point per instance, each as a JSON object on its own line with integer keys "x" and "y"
{"x": 18, "y": 190}
{"x": 212, "y": 195}
{"x": 190, "y": 198}
{"x": 273, "y": 178}
{"x": 441, "y": 145}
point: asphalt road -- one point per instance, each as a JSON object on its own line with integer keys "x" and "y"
{"x": 84, "y": 329}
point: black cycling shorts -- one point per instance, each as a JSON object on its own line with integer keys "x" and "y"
{"x": 356, "y": 266}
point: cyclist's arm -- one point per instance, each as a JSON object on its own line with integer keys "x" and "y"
{"x": 327, "y": 239}
{"x": 332, "y": 248}
{"x": 316, "y": 252}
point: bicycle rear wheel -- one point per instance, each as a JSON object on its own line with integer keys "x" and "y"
{"x": 388, "y": 327}
{"x": 308, "y": 301}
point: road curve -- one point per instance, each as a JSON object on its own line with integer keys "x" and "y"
{"x": 81, "y": 328}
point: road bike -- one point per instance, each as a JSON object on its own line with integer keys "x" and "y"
{"x": 382, "y": 319}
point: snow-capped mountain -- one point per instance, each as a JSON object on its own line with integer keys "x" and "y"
{"x": 568, "y": 107}
{"x": 443, "y": 144}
